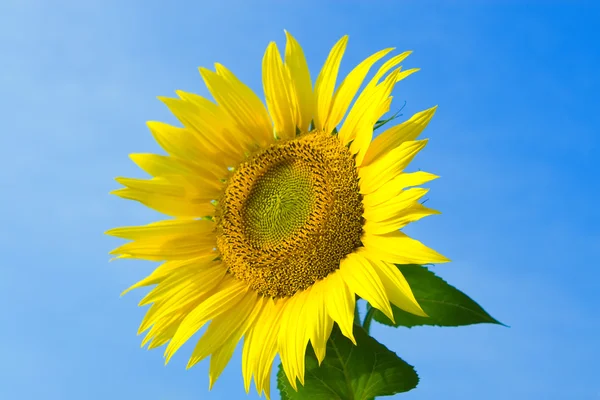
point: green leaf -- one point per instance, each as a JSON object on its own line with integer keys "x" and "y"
{"x": 358, "y": 372}
{"x": 445, "y": 305}
{"x": 282, "y": 384}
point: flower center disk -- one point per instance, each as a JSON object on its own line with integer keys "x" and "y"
{"x": 290, "y": 214}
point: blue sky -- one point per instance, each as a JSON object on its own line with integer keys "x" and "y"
{"x": 516, "y": 141}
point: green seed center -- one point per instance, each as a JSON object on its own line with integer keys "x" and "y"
{"x": 279, "y": 203}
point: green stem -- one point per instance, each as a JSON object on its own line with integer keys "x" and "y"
{"x": 368, "y": 318}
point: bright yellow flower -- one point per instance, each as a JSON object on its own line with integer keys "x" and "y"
{"x": 279, "y": 218}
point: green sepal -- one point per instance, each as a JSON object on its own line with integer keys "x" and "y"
{"x": 444, "y": 304}
{"x": 382, "y": 122}
{"x": 359, "y": 372}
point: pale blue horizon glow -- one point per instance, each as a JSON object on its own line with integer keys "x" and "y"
{"x": 515, "y": 140}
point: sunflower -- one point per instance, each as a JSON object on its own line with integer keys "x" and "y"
{"x": 279, "y": 219}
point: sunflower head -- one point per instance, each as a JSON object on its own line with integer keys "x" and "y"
{"x": 281, "y": 215}
{"x": 290, "y": 214}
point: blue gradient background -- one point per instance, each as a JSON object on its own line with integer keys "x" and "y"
{"x": 515, "y": 139}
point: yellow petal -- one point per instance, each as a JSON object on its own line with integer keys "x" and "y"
{"x": 293, "y": 338}
{"x": 394, "y": 187}
{"x": 384, "y": 169}
{"x": 164, "y": 317}
{"x": 298, "y": 68}
{"x": 240, "y": 103}
{"x": 157, "y": 165}
{"x": 319, "y": 323}
{"x": 173, "y": 195}
{"x": 201, "y": 278}
{"x": 266, "y": 384}
{"x": 149, "y": 319}
{"x": 340, "y": 302}
{"x": 396, "y": 135}
{"x": 406, "y": 73}
{"x": 362, "y": 279}
{"x": 363, "y": 130}
{"x": 162, "y": 337}
{"x": 184, "y": 293}
{"x": 396, "y": 286}
{"x": 399, "y": 219}
{"x": 162, "y": 330}
{"x": 326, "y": 82}
{"x": 176, "y": 186}
{"x": 169, "y": 315}
{"x": 375, "y": 81}
{"x": 250, "y": 351}
{"x": 179, "y": 142}
{"x": 187, "y": 114}
{"x": 174, "y": 249}
{"x": 157, "y": 185}
{"x": 383, "y": 211}
{"x": 395, "y": 247}
{"x": 219, "y": 360}
{"x": 279, "y": 93}
{"x": 162, "y": 229}
{"x": 347, "y": 90}
{"x": 183, "y": 296}
{"x": 269, "y": 349}
{"x": 260, "y": 344}
{"x": 363, "y": 114}
{"x": 216, "y": 127}
{"x": 169, "y": 167}
{"x": 220, "y": 357}
{"x": 170, "y": 267}
{"x": 221, "y": 328}
{"x": 168, "y": 205}
{"x": 230, "y": 293}
{"x": 387, "y": 66}
{"x": 384, "y": 107}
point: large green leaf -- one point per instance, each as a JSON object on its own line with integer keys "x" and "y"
{"x": 445, "y": 305}
{"x": 351, "y": 372}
